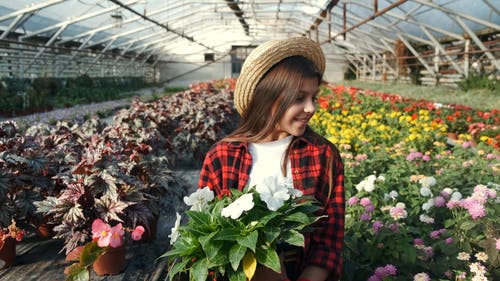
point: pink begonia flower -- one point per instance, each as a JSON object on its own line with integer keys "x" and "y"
{"x": 365, "y": 217}
{"x": 476, "y": 210}
{"x": 374, "y": 278}
{"x": 353, "y": 200}
{"x": 137, "y": 233}
{"x": 365, "y": 201}
{"x": 429, "y": 251}
{"x": 394, "y": 227}
{"x": 435, "y": 234}
{"x": 101, "y": 232}
{"x": 106, "y": 235}
{"x": 439, "y": 201}
{"x": 369, "y": 209}
{"x": 461, "y": 276}
{"x": 391, "y": 269}
{"x": 116, "y": 239}
{"x": 398, "y": 213}
{"x": 377, "y": 225}
{"x": 452, "y": 204}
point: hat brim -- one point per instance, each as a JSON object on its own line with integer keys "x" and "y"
{"x": 266, "y": 56}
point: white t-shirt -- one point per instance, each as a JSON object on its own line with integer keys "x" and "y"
{"x": 267, "y": 159}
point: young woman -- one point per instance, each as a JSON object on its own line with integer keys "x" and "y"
{"x": 275, "y": 96}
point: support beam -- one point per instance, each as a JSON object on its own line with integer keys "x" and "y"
{"x": 478, "y": 42}
{"x": 417, "y": 55}
{"x": 457, "y": 14}
{"x": 443, "y": 51}
{"x": 72, "y": 21}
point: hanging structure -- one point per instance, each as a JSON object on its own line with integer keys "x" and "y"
{"x": 431, "y": 42}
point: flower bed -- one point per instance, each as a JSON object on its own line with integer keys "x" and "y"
{"x": 417, "y": 208}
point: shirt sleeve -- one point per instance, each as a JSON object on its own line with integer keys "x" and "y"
{"x": 326, "y": 242}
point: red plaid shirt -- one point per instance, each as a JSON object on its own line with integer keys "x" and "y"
{"x": 227, "y": 165}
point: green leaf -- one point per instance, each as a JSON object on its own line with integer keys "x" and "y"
{"x": 236, "y": 254}
{"x": 210, "y": 246}
{"x": 249, "y": 241}
{"x": 200, "y": 270}
{"x": 298, "y": 217}
{"x": 268, "y": 257}
{"x": 178, "y": 267}
{"x": 294, "y": 237}
{"x": 237, "y": 275}
{"x": 78, "y": 273}
{"x": 271, "y": 234}
{"x": 90, "y": 253}
{"x": 467, "y": 225}
{"x": 230, "y": 234}
{"x": 184, "y": 246}
{"x": 198, "y": 218}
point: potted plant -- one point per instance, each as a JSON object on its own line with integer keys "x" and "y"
{"x": 105, "y": 253}
{"x": 237, "y": 235}
{"x": 8, "y": 238}
{"x": 93, "y": 192}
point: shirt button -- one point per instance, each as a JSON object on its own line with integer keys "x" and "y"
{"x": 296, "y": 171}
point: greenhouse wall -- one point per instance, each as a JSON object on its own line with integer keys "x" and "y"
{"x": 183, "y": 73}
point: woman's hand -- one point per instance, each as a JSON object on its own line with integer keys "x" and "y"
{"x": 314, "y": 273}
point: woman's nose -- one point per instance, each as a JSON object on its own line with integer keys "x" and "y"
{"x": 310, "y": 106}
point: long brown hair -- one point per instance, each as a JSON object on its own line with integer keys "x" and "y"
{"x": 274, "y": 94}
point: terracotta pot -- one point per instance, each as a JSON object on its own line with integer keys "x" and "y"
{"x": 7, "y": 253}
{"x": 45, "y": 231}
{"x": 453, "y": 136}
{"x": 112, "y": 262}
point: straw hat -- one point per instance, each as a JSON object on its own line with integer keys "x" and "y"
{"x": 266, "y": 56}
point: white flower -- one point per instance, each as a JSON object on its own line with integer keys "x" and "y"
{"x": 426, "y": 219}
{"x": 401, "y": 205}
{"x": 235, "y": 209}
{"x": 428, "y": 205}
{"x": 481, "y": 256}
{"x": 368, "y": 184}
{"x": 425, "y": 191}
{"x": 391, "y": 195}
{"x": 394, "y": 194}
{"x": 381, "y": 178}
{"x": 174, "y": 233}
{"x": 456, "y": 196}
{"x": 448, "y": 190}
{"x": 199, "y": 199}
{"x": 463, "y": 256}
{"x": 288, "y": 183}
{"x": 427, "y": 181}
{"x": 422, "y": 276}
{"x": 272, "y": 193}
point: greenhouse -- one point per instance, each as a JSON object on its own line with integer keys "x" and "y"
{"x": 116, "y": 114}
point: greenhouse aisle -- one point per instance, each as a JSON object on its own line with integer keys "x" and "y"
{"x": 80, "y": 111}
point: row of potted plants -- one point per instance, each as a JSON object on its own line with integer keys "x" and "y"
{"x": 69, "y": 174}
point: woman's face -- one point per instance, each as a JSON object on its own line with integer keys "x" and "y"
{"x": 295, "y": 119}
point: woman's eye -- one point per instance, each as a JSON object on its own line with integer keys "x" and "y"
{"x": 299, "y": 99}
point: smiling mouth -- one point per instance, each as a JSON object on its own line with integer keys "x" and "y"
{"x": 302, "y": 120}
